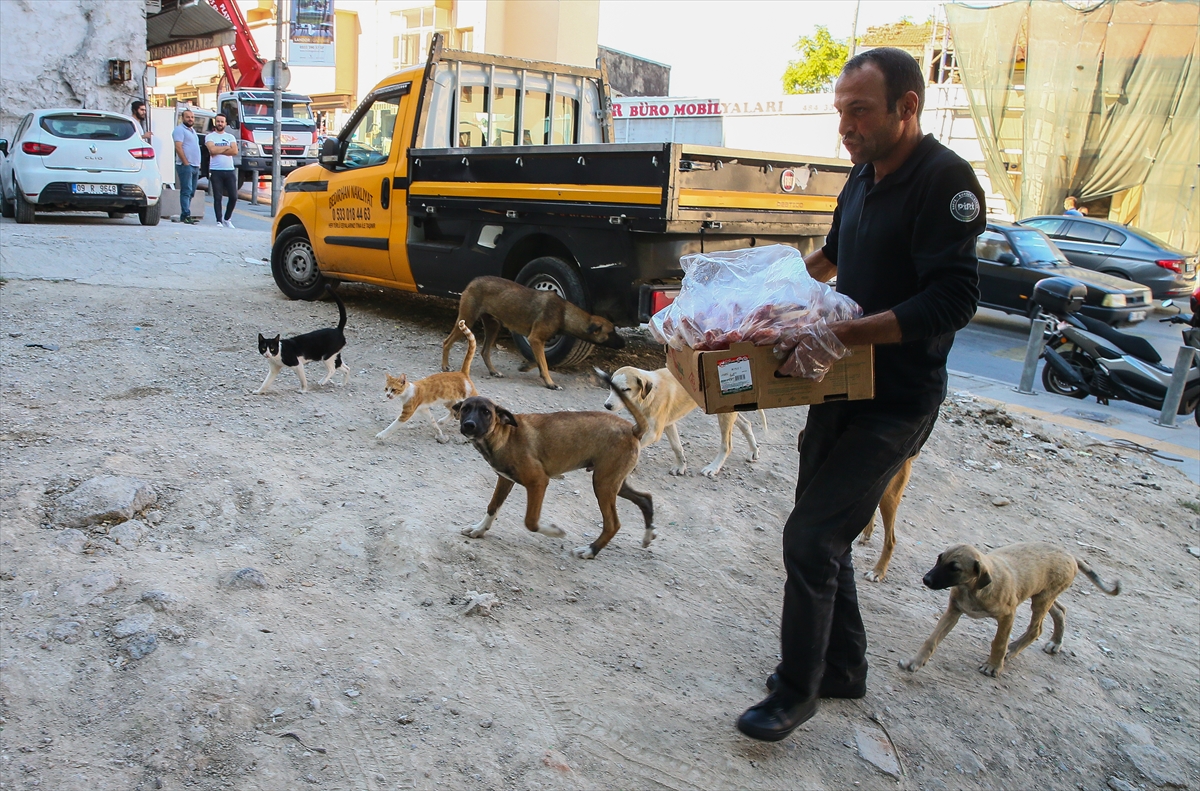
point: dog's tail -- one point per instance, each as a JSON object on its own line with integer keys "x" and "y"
{"x": 1095, "y": 578}
{"x": 470, "y": 336}
{"x": 641, "y": 426}
{"x": 341, "y": 307}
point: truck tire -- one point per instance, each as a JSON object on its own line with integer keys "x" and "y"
{"x": 294, "y": 265}
{"x": 24, "y": 209}
{"x": 555, "y": 275}
{"x": 150, "y": 215}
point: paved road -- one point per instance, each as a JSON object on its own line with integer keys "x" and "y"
{"x": 986, "y": 359}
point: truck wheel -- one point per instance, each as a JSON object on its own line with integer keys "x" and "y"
{"x": 557, "y": 276}
{"x": 294, "y": 265}
{"x": 24, "y": 209}
{"x": 149, "y": 215}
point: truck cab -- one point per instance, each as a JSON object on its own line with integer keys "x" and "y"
{"x": 251, "y": 118}
{"x": 485, "y": 165}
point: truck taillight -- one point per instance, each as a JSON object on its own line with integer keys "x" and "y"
{"x": 37, "y": 149}
{"x": 145, "y": 152}
{"x": 660, "y": 299}
{"x": 1174, "y": 264}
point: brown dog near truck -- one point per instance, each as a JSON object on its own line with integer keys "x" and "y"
{"x": 538, "y": 315}
{"x": 532, "y": 449}
{"x": 993, "y": 586}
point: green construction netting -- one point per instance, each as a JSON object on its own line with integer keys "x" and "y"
{"x": 1088, "y": 99}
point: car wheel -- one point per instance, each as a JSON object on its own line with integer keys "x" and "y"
{"x": 24, "y": 209}
{"x": 150, "y": 214}
{"x": 558, "y": 277}
{"x": 6, "y": 208}
{"x": 1082, "y": 365}
{"x": 294, "y": 265}
{"x": 116, "y": 215}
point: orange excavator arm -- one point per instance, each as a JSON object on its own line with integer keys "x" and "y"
{"x": 246, "y": 60}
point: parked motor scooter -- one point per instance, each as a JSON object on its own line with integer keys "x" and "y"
{"x": 1085, "y": 357}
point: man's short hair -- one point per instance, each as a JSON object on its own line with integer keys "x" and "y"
{"x": 220, "y": 115}
{"x": 901, "y": 73}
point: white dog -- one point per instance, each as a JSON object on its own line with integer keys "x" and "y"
{"x": 665, "y": 403}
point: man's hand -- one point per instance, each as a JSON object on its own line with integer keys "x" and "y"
{"x": 880, "y": 328}
{"x": 820, "y": 267}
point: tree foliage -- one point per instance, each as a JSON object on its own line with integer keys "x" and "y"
{"x": 821, "y": 60}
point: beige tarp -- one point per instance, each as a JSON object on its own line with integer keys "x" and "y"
{"x": 1088, "y": 99}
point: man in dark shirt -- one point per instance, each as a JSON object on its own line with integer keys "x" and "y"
{"x": 902, "y": 245}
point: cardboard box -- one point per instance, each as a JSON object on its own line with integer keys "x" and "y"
{"x": 744, "y": 378}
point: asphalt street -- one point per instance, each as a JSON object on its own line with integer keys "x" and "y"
{"x": 986, "y": 359}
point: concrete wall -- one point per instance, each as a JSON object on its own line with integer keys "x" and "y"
{"x": 561, "y": 31}
{"x": 629, "y": 75}
{"x": 55, "y": 54}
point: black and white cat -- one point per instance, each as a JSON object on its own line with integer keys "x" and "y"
{"x": 324, "y": 345}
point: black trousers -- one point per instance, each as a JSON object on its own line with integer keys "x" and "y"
{"x": 849, "y": 454}
{"x": 224, "y": 184}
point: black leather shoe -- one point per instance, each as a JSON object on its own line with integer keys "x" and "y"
{"x": 829, "y": 689}
{"x": 775, "y": 717}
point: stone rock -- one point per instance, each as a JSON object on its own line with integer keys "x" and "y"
{"x": 132, "y": 625}
{"x": 875, "y": 749}
{"x": 1137, "y": 732}
{"x": 969, "y": 764}
{"x": 86, "y": 590}
{"x": 1108, "y": 683}
{"x": 71, "y": 540}
{"x": 1194, "y": 552}
{"x": 140, "y": 645}
{"x": 485, "y": 723}
{"x": 1000, "y": 502}
{"x": 1156, "y": 765}
{"x": 1117, "y": 784}
{"x": 127, "y": 534}
{"x": 67, "y": 631}
{"x": 159, "y": 600}
{"x": 107, "y": 498}
{"x": 244, "y": 579}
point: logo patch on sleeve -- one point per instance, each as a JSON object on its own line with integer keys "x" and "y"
{"x": 964, "y": 206}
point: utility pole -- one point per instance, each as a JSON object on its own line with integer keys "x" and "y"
{"x": 276, "y": 131}
{"x": 854, "y": 29}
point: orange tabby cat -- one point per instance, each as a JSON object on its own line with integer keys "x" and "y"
{"x": 442, "y": 388}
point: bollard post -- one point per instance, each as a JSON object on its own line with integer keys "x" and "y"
{"x": 1183, "y": 364}
{"x": 254, "y": 188}
{"x": 1033, "y": 351}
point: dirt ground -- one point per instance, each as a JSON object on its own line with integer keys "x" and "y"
{"x": 356, "y": 668}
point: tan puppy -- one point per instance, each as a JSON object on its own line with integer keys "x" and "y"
{"x": 532, "y": 449}
{"x": 665, "y": 402}
{"x": 538, "y": 315}
{"x": 993, "y": 586}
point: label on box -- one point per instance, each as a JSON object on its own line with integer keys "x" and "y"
{"x": 734, "y": 375}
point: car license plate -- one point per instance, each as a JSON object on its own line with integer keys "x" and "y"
{"x": 94, "y": 189}
{"x": 287, "y": 163}
{"x": 1137, "y": 315}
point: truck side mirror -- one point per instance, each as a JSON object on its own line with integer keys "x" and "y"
{"x": 331, "y": 153}
{"x": 1008, "y": 259}
{"x": 4, "y": 147}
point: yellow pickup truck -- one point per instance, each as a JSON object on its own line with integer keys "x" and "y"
{"x": 485, "y": 165}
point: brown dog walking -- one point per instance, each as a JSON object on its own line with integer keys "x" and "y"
{"x": 538, "y": 315}
{"x": 532, "y": 449}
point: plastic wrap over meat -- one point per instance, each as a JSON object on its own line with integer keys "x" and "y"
{"x": 763, "y": 295}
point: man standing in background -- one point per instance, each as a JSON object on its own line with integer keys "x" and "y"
{"x": 138, "y": 110}
{"x": 222, "y": 147}
{"x": 187, "y": 164}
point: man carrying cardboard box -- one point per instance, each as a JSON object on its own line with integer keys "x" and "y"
{"x": 902, "y": 245}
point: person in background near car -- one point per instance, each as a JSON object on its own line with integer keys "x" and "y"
{"x": 187, "y": 164}
{"x": 138, "y": 111}
{"x": 1071, "y": 206}
{"x": 221, "y": 148}
{"x": 902, "y": 245}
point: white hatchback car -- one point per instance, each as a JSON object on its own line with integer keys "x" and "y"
{"x": 79, "y": 160}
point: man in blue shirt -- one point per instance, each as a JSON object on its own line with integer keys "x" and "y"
{"x": 902, "y": 245}
{"x": 187, "y": 164}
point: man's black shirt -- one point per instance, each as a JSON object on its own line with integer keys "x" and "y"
{"x": 907, "y": 244}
